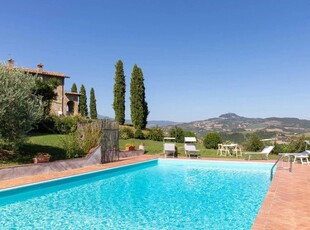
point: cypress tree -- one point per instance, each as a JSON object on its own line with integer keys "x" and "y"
{"x": 119, "y": 93}
{"x": 92, "y": 104}
{"x": 74, "y": 88}
{"x": 83, "y": 102}
{"x": 138, "y": 105}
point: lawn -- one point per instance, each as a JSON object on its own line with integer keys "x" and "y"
{"x": 52, "y": 144}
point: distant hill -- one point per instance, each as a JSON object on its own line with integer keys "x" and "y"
{"x": 149, "y": 123}
{"x": 161, "y": 123}
{"x": 232, "y": 122}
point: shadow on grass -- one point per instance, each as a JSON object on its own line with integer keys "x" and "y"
{"x": 29, "y": 150}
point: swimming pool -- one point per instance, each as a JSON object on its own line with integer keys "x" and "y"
{"x": 158, "y": 194}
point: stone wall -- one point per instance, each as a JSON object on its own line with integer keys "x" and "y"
{"x": 92, "y": 158}
{"x": 124, "y": 154}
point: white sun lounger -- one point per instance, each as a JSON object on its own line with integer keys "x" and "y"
{"x": 302, "y": 156}
{"x": 190, "y": 147}
{"x": 169, "y": 146}
{"x": 264, "y": 153}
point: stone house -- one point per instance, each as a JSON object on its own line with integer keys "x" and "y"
{"x": 66, "y": 103}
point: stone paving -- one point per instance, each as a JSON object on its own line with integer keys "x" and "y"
{"x": 286, "y": 206}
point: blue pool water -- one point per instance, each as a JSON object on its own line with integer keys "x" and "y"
{"x": 163, "y": 194}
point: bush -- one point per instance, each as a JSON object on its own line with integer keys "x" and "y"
{"x": 189, "y": 134}
{"x": 253, "y": 143}
{"x": 297, "y": 144}
{"x": 281, "y": 148}
{"x": 126, "y": 133}
{"x": 89, "y": 136}
{"x": 65, "y": 125}
{"x": 178, "y": 133}
{"x": 146, "y": 134}
{"x": 211, "y": 140}
{"x": 139, "y": 134}
{"x": 79, "y": 143}
{"x": 71, "y": 146}
{"x": 156, "y": 134}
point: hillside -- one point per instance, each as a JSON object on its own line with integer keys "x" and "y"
{"x": 231, "y": 122}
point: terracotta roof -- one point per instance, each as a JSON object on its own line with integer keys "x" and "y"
{"x": 49, "y": 73}
{"x": 73, "y": 93}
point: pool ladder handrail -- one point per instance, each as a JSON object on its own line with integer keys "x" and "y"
{"x": 279, "y": 158}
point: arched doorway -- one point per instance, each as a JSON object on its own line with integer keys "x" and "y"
{"x": 70, "y": 108}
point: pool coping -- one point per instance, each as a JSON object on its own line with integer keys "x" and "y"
{"x": 286, "y": 205}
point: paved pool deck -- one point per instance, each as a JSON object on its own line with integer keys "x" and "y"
{"x": 286, "y": 205}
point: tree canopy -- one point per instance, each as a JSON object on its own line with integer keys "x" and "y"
{"x": 119, "y": 93}
{"x": 92, "y": 104}
{"x": 138, "y": 105}
{"x": 20, "y": 109}
{"x": 74, "y": 88}
{"x": 83, "y": 110}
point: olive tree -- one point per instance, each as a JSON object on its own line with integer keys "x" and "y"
{"x": 20, "y": 109}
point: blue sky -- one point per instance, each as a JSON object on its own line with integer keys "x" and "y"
{"x": 200, "y": 58}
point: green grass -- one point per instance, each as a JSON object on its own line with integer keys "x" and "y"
{"x": 52, "y": 144}
{"x": 156, "y": 147}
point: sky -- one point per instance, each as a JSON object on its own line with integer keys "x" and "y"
{"x": 200, "y": 59}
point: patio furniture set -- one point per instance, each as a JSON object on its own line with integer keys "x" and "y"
{"x": 190, "y": 150}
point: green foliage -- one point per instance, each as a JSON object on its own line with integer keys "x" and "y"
{"x": 138, "y": 105}
{"x": 89, "y": 136}
{"x": 126, "y": 133}
{"x": 253, "y": 143}
{"x": 156, "y": 134}
{"x": 232, "y": 137}
{"x": 119, "y": 93}
{"x": 46, "y": 91}
{"x": 146, "y": 134}
{"x": 79, "y": 143}
{"x": 281, "y": 148}
{"x": 70, "y": 143}
{"x": 139, "y": 134}
{"x": 189, "y": 134}
{"x": 20, "y": 110}
{"x": 211, "y": 140}
{"x": 65, "y": 125}
{"x": 178, "y": 133}
{"x": 74, "y": 88}
{"x": 83, "y": 102}
{"x": 93, "y": 105}
{"x": 298, "y": 144}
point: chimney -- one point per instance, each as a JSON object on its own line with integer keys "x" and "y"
{"x": 10, "y": 63}
{"x": 40, "y": 68}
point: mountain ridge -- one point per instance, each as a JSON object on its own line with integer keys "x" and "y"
{"x": 231, "y": 122}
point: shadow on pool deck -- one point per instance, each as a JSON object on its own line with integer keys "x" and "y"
{"x": 286, "y": 205}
